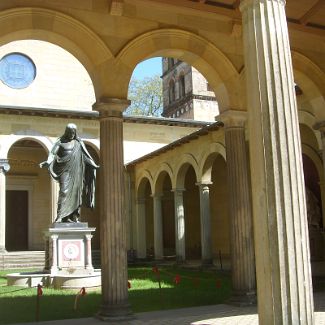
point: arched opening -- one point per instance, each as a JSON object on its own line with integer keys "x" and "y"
{"x": 216, "y": 166}
{"x": 145, "y": 223}
{"x": 61, "y": 81}
{"x": 220, "y": 222}
{"x": 192, "y": 215}
{"x": 28, "y": 197}
{"x": 164, "y": 187}
{"x": 314, "y": 209}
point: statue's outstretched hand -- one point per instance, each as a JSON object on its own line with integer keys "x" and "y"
{"x": 44, "y": 164}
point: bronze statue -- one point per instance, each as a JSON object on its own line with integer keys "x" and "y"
{"x": 70, "y": 163}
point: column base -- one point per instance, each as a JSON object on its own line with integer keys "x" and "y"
{"x": 207, "y": 262}
{"x": 180, "y": 261}
{"x": 243, "y": 299}
{"x": 115, "y": 313}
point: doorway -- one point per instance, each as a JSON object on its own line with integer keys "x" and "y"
{"x": 17, "y": 220}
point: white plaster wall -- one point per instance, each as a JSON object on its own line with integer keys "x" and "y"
{"x": 61, "y": 80}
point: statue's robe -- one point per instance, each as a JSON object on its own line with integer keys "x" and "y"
{"x": 76, "y": 174}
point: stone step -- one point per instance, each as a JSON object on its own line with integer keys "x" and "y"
{"x": 22, "y": 260}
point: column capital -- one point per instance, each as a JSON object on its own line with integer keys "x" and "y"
{"x": 233, "y": 118}
{"x": 157, "y": 195}
{"x": 111, "y": 107}
{"x": 4, "y": 166}
{"x": 178, "y": 189}
{"x": 320, "y": 126}
{"x": 244, "y": 4}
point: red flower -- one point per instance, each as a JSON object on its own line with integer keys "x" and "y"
{"x": 155, "y": 269}
{"x": 39, "y": 290}
{"x": 177, "y": 279}
{"x": 129, "y": 284}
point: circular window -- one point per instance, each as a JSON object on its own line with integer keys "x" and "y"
{"x": 17, "y": 70}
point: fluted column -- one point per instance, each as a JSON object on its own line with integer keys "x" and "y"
{"x": 279, "y": 207}
{"x": 112, "y": 213}
{"x": 239, "y": 199}
{"x": 141, "y": 228}
{"x": 158, "y": 227}
{"x": 4, "y": 168}
{"x": 179, "y": 224}
{"x": 205, "y": 220}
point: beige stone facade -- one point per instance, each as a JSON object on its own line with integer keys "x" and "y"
{"x": 252, "y": 56}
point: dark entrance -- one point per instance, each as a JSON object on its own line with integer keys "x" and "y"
{"x": 16, "y": 220}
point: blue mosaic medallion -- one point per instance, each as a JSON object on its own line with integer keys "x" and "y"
{"x": 17, "y": 70}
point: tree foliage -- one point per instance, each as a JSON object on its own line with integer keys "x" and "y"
{"x": 146, "y": 96}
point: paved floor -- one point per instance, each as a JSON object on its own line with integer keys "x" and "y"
{"x": 205, "y": 315}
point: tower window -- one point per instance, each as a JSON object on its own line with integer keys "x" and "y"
{"x": 171, "y": 91}
{"x": 181, "y": 86}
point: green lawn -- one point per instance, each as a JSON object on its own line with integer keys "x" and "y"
{"x": 195, "y": 288}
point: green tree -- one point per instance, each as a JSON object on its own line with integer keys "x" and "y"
{"x": 145, "y": 96}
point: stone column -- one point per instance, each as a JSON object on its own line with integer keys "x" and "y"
{"x": 141, "y": 228}
{"x": 282, "y": 255}
{"x": 54, "y": 199}
{"x": 158, "y": 227}
{"x": 4, "y": 168}
{"x": 89, "y": 263}
{"x": 205, "y": 220}
{"x": 115, "y": 304}
{"x": 179, "y": 224}
{"x": 239, "y": 200}
{"x": 54, "y": 253}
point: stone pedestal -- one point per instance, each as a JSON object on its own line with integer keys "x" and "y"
{"x": 68, "y": 249}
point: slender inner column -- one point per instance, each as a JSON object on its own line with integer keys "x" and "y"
{"x": 54, "y": 253}
{"x": 179, "y": 225}
{"x": 206, "y": 240}
{"x": 279, "y": 207}
{"x": 141, "y": 228}
{"x": 241, "y": 223}
{"x": 54, "y": 198}
{"x": 89, "y": 263}
{"x": 115, "y": 304}
{"x": 158, "y": 227}
{"x": 4, "y": 168}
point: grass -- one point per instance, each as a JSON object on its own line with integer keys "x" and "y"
{"x": 195, "y": 288}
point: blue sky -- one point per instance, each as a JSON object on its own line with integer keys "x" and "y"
{"x": 148, "y": 68}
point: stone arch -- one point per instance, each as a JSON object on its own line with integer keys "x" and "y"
{"x": 307, "y": 119}
{"x": 181, "y": 169}
{"x": 215, "y": 150}
{"x": 313, "y": 155}
{"x": 311, "y": 79}
{"x": 93, "y": 146}
{"x": 9, "y": 141}
{"x": 145, "y": 175}
{"x": 188, "y": 47}
{"x": 163, "y": 170}
{"x": 26, "y": 185}
{"x": 60, "y": 29}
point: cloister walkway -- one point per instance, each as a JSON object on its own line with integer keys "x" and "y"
{"x": 205, "y": 315}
